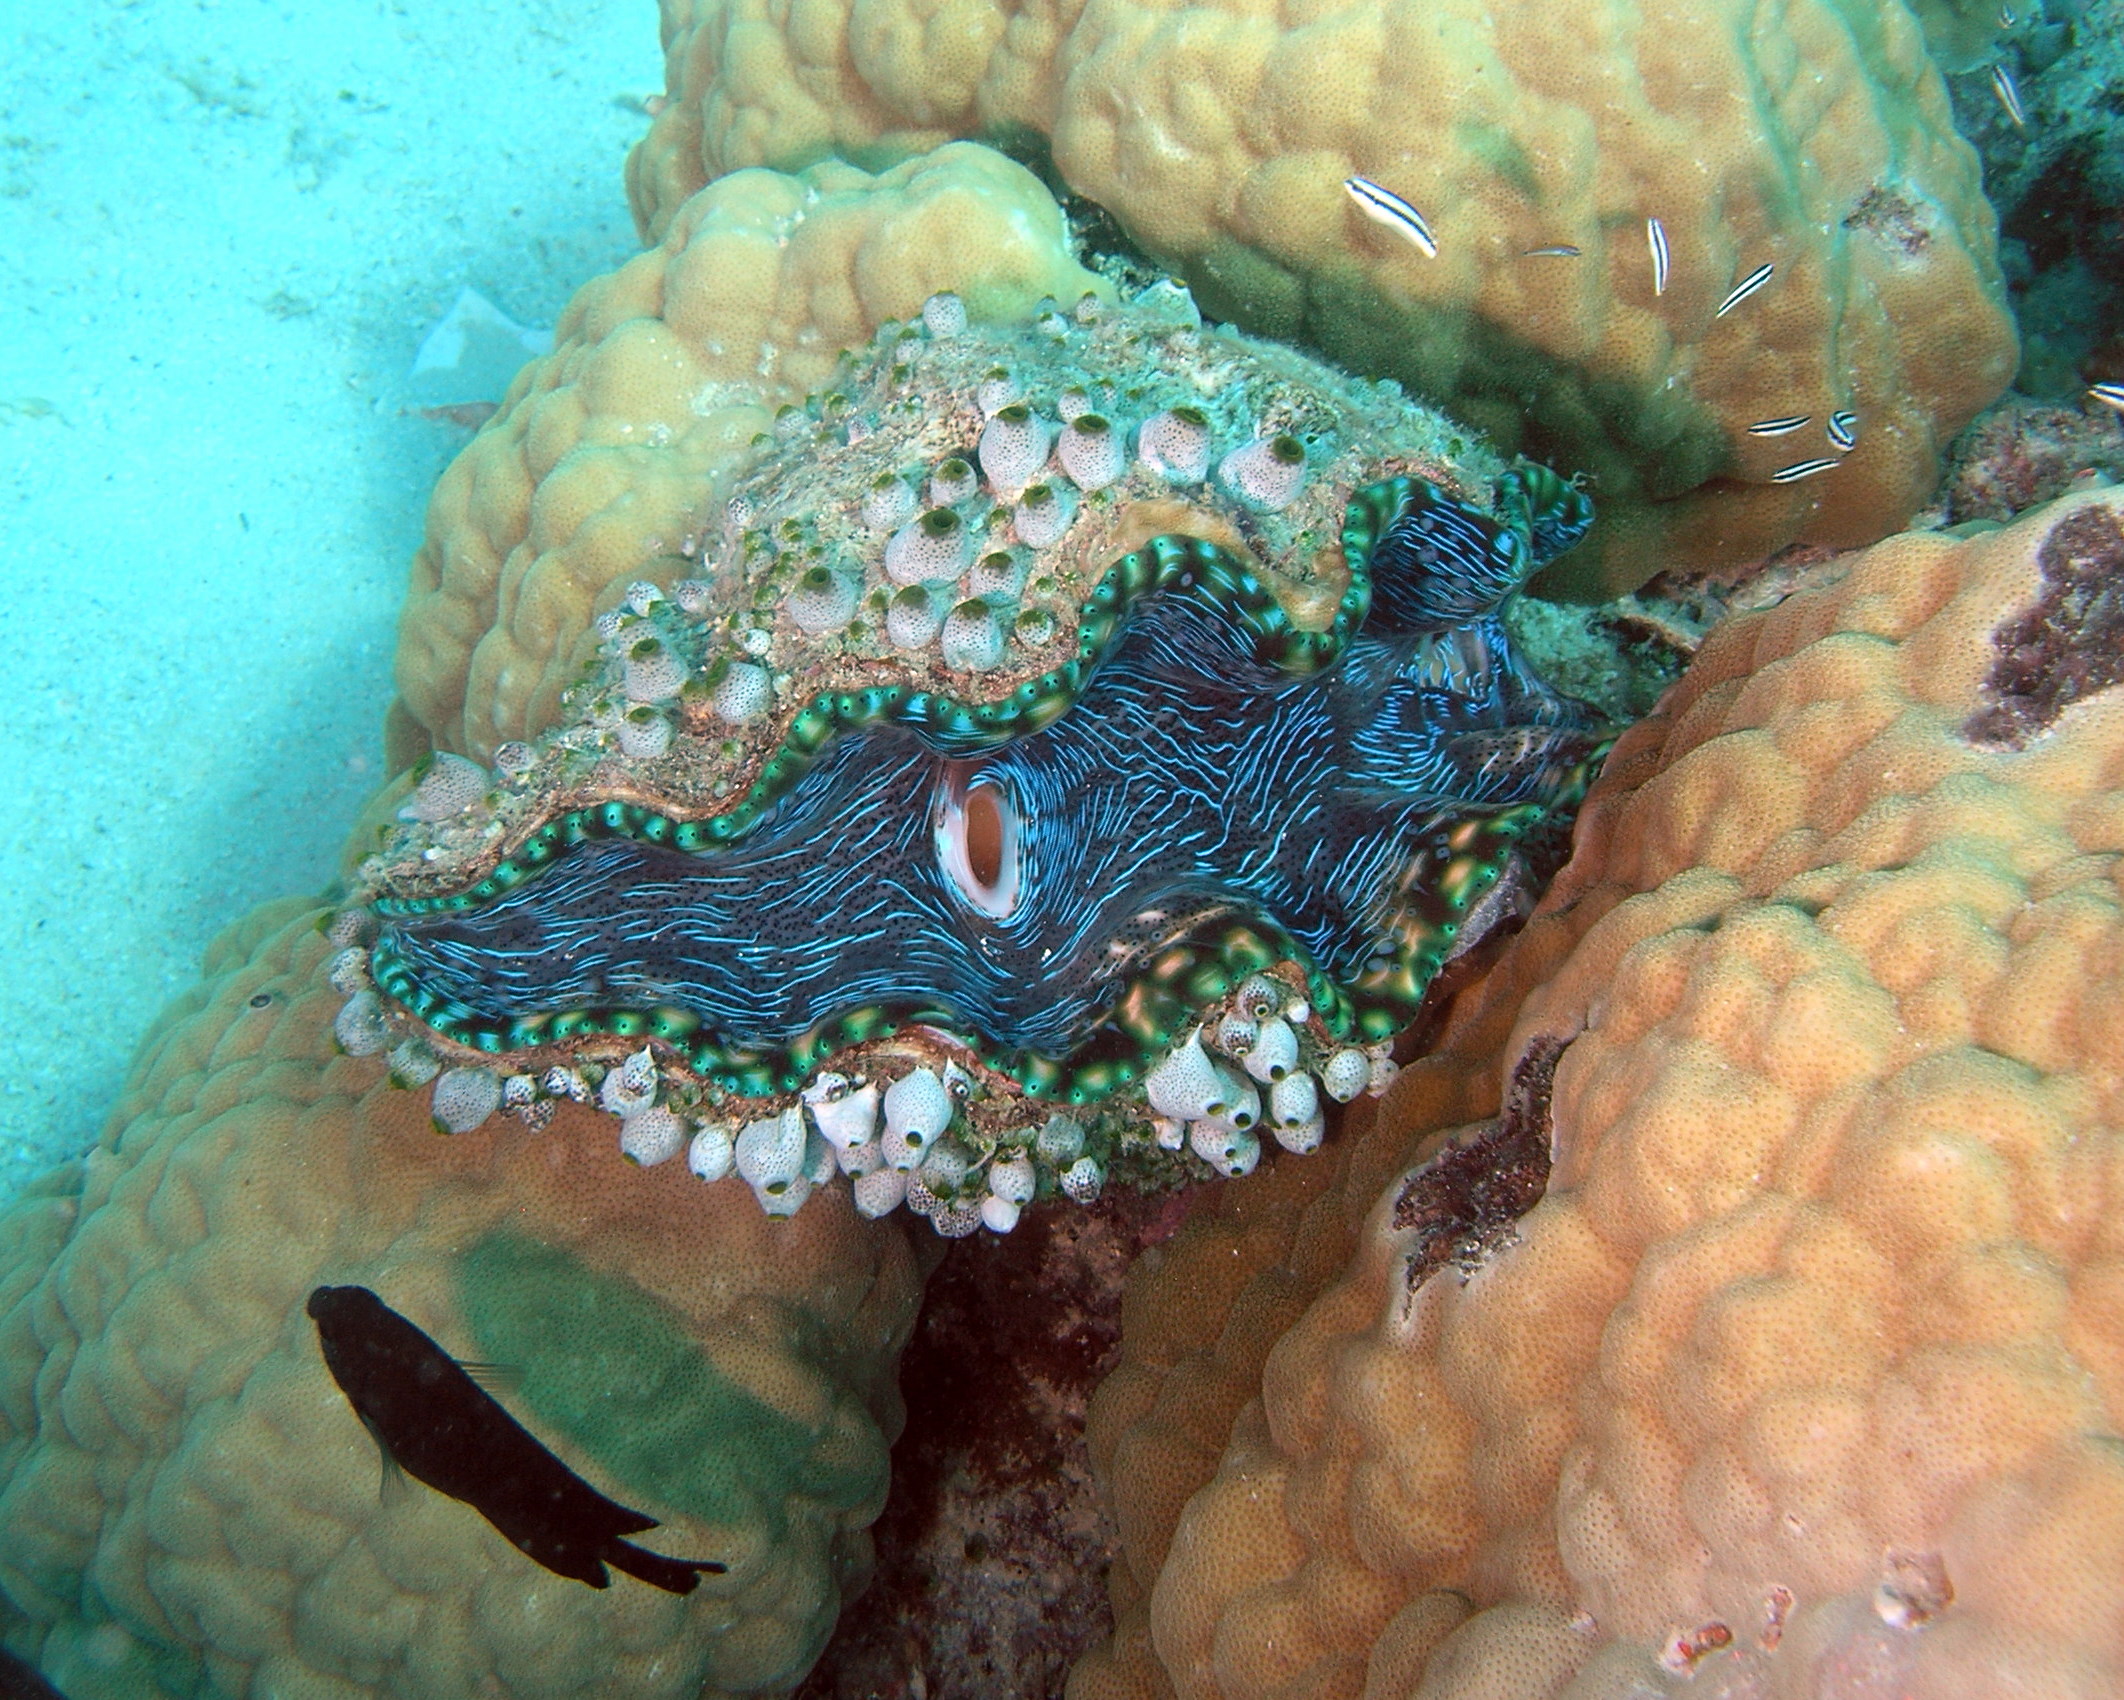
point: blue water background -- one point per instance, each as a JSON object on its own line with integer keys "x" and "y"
{"x": 226, "y": 230}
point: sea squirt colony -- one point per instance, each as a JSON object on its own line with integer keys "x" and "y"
{"x": 1065, "y": 744}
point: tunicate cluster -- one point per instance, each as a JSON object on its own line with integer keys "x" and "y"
{"x": 1175, "y": 444}
{"x": 912, "y": 618}
{"x": 1003, "y": 467}
{"x": 745, "y": 692}
{"x": 444, "y": 786}
{"x": 644, "y": 733}
{"x": 901, "y": 1142}
{"x": 1013, "y": 445}
{"x": 1268, "y": 472}
{"x": 823, "y": 600}
{"x": 1042, "y": 514}
{"x": 1258, "y": 1069}
{"x": 651, "y": 670}
{"x": 927, "y": 549}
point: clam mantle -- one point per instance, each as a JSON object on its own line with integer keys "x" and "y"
{"x": 1067, "y": 742}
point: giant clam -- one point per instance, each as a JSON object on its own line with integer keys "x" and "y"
{"x": 1064, "y": 744}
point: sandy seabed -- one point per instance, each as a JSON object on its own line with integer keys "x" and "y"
{"x": 227, "y": 230}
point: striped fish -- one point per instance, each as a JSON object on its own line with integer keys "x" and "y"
{"x": 1561, "y": 251}
{"x": 1383, "y": 206}
{"x": 1656, "y": 240}
{"x": 1745, "y": 288}
{"x": 2009, "y": 93}
{"x": 1779, "y": 427}
{"x": 1843, "y": 428}
{"x": 1800, "y": 469}
{"x": 2109, "y": 395}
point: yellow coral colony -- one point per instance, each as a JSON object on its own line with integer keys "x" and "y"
{"x": 1538, "y": 140}
{"x": 1806, "y": 1376}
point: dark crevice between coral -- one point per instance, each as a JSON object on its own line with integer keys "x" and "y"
{"x": 2070, "y": 644}
{"x": 2061, "y": 232}
{"x": 994, "y": 1546}
{"x": 2069, "y": 212}
{"x": 1102, "y": 244}
{"x": 1465, "y": 1202}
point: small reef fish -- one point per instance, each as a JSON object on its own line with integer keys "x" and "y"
{"x": 20, "y": 1681}
{"x": 1561, "y": 251}
{"x": 1656, "y": 240}
{"x": 1745, "y": 288}
{"x": 2009, "y": 93}
{"x": 431, "y": 1419}
{"x": 1383, "y": 206}
{"x": 1779, "y": 427}
{"x": 2109, "y": 395}
{"x": 1843, "y": 428}
{"x": 1800, "y": 469}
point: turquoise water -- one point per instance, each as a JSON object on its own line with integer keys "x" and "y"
{"x": 228, "y": 230}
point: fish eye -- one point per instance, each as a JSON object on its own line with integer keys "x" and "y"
{"x": 261, "y": 999}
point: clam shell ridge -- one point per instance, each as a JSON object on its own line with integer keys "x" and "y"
{"x": 1041, "y": 706}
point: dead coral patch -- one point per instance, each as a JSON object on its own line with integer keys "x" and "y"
{"x": 2070, "y": 644}
{"x": 1465, "y": 1201}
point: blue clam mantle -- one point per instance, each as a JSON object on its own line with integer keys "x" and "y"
{"x": 1069, "y": 877}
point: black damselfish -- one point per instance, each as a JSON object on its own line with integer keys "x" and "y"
{"x": 19, "y": 1681}
{"x": 436, "y": 1423}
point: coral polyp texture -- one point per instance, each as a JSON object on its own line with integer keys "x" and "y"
{"x": 192, "y": 1506}
{"x": 1538, "y": 144}
{"x": 1250, "y": 753}
{"x": 662, "y": 375}
{"x": 1734, "y": 1301}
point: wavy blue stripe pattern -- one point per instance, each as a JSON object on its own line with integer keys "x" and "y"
{"x": 1218, "y": 791}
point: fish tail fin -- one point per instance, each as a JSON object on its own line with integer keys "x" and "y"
{"x": 673, "y": 1575}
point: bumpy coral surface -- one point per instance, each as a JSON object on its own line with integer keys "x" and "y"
{"x": 1805, "y": 1376}
{"x": 1046, "y": 694}
{"x": 192, "y": 1507}
{"x": 662, "y": 375}
{"x": 1549, "y": 148}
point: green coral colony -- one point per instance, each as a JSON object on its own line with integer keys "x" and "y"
{"x": 1077, "y": 744}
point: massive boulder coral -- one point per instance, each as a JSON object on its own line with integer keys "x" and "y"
{"x": 1537, "y": 140}
{"x": 662, "y": 375}
{"x": 1805, "y": 1374}
{"x": 191, "y": 1505}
